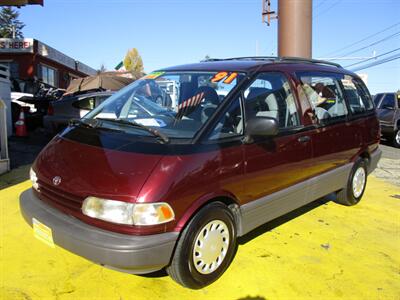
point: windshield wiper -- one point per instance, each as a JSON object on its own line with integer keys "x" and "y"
{"x": 153, "y": 131}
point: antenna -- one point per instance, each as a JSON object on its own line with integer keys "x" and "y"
{"x": 267, "y": 12}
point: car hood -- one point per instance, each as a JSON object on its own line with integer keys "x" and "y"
{"x": 87, "y": 170}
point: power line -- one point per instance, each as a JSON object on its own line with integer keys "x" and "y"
{"x": 377, "y": 63}
{"x": 321, "y": 2}
{"x": 374, "y": 43}
{"x": 364, "y": 39}
{"x": 375, "y": 57}
{"x": 327, "y": 9}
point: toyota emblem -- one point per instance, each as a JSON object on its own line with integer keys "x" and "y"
{"x": 57, "y": 180}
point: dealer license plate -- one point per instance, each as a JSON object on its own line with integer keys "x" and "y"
{"x": 42, "y": 232}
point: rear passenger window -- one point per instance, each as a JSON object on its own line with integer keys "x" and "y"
{"x": 325, "y": 95}
{"x": 357, "y": 95}
{"x": 270, "y": 96}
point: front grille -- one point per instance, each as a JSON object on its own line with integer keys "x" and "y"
{"x": 53, "y": 195}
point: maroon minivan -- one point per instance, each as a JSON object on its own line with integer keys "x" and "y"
{"x": 242, "y": 141}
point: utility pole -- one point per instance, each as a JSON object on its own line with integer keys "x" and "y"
{"x": 295, "y": 28}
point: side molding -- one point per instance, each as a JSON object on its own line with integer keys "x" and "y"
{"x": 265, "y": 209}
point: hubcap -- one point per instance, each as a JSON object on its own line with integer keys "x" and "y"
{"x": 398, "y": 137}
{"x": 358, "y": 182}
{"x": 211, "y": 246}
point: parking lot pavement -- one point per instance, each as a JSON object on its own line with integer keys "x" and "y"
{"x": 389, "y": 165}
{"x": 323, "y": 251}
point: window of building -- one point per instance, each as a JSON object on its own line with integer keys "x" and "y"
{"x": 270, "y": 96}
{"x": 49, "y": 75}
{"x": 13, "y": 68}
{"x": 325, "y": 95}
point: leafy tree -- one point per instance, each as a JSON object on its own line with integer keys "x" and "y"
{"x": 9, "y": 22}
{"x": 133, "y": 62}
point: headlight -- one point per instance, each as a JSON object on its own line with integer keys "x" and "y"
{"x": 34, "y": 179}
{"x": 127, "y": 213}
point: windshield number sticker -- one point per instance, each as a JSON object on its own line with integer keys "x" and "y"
{"x": 154, "y": 75}
{"x": 229, "y": 77}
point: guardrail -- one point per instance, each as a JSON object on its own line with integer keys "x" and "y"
{"x": 4, "y": 159}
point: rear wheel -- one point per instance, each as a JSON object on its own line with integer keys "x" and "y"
{"x": 206, "y": 247}
{"x": 356, "y": 183}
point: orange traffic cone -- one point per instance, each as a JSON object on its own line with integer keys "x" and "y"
{"x": 20, "y": 126}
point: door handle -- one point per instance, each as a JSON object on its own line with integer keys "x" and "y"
{"x": 304, "y": 139}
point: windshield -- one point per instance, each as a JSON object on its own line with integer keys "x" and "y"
{"x": 176, "y": 104}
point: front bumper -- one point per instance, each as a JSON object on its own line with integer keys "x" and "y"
{"x": 132, "y": 254}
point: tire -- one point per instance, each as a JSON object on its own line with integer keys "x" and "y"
{"x": 396, "y": 139}
{"x": 213, "y": 225}
{"x": 356, "y": 183}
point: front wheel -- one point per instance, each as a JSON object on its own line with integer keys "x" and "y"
{"x": 396, "y": 139}
{"x": 206, "y": 247}
{"x": 356, "y": 183}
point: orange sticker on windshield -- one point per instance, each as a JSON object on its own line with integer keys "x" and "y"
{"x": 229, "y": 77}
{"x": 219, "y": 76}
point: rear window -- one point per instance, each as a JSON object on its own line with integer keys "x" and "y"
{"x": 357, "y": 95}
{"x": 85, "y": 103}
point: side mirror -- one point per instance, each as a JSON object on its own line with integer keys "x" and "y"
{"x": 261, "y": 127}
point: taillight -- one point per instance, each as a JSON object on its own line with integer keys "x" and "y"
{"x": 50, "y": 110}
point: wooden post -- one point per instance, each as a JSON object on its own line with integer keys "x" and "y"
{"x": 295, "y": 28}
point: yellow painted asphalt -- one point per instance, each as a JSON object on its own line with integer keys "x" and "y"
{"x": 326, "y": 252}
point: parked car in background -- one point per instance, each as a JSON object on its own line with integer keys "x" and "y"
{"x": 61, "y": 111}
{"x": 388, "y": 110}
{"x": 249, "y": 140}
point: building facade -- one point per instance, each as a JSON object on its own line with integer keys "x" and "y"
{"x": 32, "y": 63}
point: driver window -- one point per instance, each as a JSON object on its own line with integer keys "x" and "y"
{"x": 230, "y": 124}
{"x": 270, "y": 96}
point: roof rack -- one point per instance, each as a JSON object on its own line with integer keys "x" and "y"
{"x": 277, "y": 59}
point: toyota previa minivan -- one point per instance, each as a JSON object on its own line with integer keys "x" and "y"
{"x": 248, "y": 140}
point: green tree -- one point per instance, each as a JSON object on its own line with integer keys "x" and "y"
{"x": 10, "y": 26}
{"x": 133, "y": 62}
